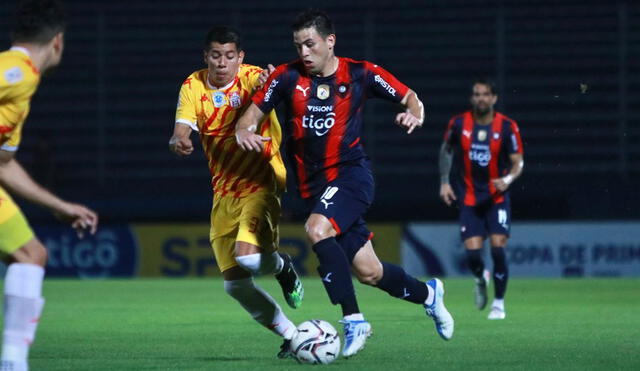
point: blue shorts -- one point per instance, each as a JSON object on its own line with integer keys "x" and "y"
{"x": 344, "y": 202}
{"x": 485, "y": 219}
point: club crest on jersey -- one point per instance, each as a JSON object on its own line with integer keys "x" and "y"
{"x": 234, "y": 100}
{"x": 13, "y": 75}
{"x": 218, "y": 98}
{"x": 323, "y": 92}
{"x": 482, "y": 135}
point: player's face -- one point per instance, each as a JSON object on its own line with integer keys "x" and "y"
{"x": 316, "y": 52}
{"x": 482, "y": 99}
{"x": 224, "y": 61}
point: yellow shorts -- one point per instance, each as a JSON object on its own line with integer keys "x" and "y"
{"x": 15, "y": 231}
{"x": 253, "y": 219}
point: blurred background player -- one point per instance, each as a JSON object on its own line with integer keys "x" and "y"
{"x": 247, "y": 186}
{"x": 325, "y": 95}
{"x": 489, "y": 158}
{"x": 37, "y": 44}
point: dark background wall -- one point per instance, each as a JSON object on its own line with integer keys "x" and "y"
{"x": 99, "y": 126}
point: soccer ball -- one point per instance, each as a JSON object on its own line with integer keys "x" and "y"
{"x": 317, "y": 342}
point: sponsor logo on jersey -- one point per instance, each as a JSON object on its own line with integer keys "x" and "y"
{"x": 303, "y": 90}
{"x": 385, "y": 85}
{"x": 13, "y": 75}
{"x": 320, "y": 108}
{"x": 267, "y": 95}
{"x": 321, "y": 124}
{"x": 480, "y": 153}
{"x": 323, "y": 92}
{"x": 466, "y": 133}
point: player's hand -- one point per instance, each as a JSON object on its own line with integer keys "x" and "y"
{"x": 446, "y": 194}
{"x": 250, "y": 141}
{"x": 264, "y": 75}
{"x": 408, "y": 121}
{"x": 501, "y": 184}
{"x": 80, "y": 217}
{"x": 181, "y": 146}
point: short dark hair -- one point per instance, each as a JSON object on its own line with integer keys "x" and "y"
{"x": 486, "y": 82}
{"x": 314, "y": 18}
{"x": 38, "y": 21}
{"x": 223, "y": 35}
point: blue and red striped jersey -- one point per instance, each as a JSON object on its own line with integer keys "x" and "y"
{"x": 482, "y": 154}
{"x": 325, "y": 115}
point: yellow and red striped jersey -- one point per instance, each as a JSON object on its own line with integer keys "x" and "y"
{"x": 19, "y": 80}
{"x": 213, "y": 112}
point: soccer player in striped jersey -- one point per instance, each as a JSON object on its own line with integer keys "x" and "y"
{"x": 247, "y": 186}
{"x": 37, "y": 44}
{"x": 325, "y": 95}
{"x": 489, "y": 157}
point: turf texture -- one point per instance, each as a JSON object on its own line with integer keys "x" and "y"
{"x": 165, "y": 324}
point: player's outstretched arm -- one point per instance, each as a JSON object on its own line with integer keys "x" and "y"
{"x": 17, "y": 181}
{"x": 246, "y": 127}
{"x": 180, "y": 142}
{"x": 517, "y": 165}
{"x": 445, "y": 161}
{"x": 413, "y": 117}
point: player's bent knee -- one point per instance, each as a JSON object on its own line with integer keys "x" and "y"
{"x": 33, "y": 252}
{"x": 369, "y": 275}
{"x": 317, "y": 233}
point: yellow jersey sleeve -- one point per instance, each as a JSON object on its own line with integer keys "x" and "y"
{"x": 186, "y": 110}
{"x": 18, "y": 82}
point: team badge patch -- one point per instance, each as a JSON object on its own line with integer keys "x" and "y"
{"x": 496, "y": 136}
{"x": 13, "y": 75}
{"x": 482, "y": 135}
{"x": 234, "y": 100}
{"x": 343, "y": 89}
{"x": 323, "y": 92}
{"x": 219, "y": 98}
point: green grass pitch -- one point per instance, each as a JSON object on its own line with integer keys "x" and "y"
{"x": 193, "y": 325}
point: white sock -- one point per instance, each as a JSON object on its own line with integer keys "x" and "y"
{"x": 260, "y": 264}
{"x": 498, "y": 303}
{"x": 260, "y": 306}
{"x": 431, "y": 296}
{"x": 354, "y": 317}
{"x": 23, "y": 304}
{"x": 279, "y": 263}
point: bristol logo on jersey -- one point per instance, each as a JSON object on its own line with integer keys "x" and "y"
{"x": 480, "y": 153}
{"x": 385, "y": 85}
{"x": 321, "y": 119}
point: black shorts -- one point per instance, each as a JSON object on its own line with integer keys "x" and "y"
{"x": 485, "y": 219}
{"x": 344, "y": 202}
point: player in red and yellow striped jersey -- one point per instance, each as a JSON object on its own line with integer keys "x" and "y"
{"x": 246, "y": 185}
{"x": 37, "y": 46}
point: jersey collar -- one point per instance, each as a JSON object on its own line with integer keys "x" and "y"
{"x": 22, "y": 50}
{"x": 221, "y": 88}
